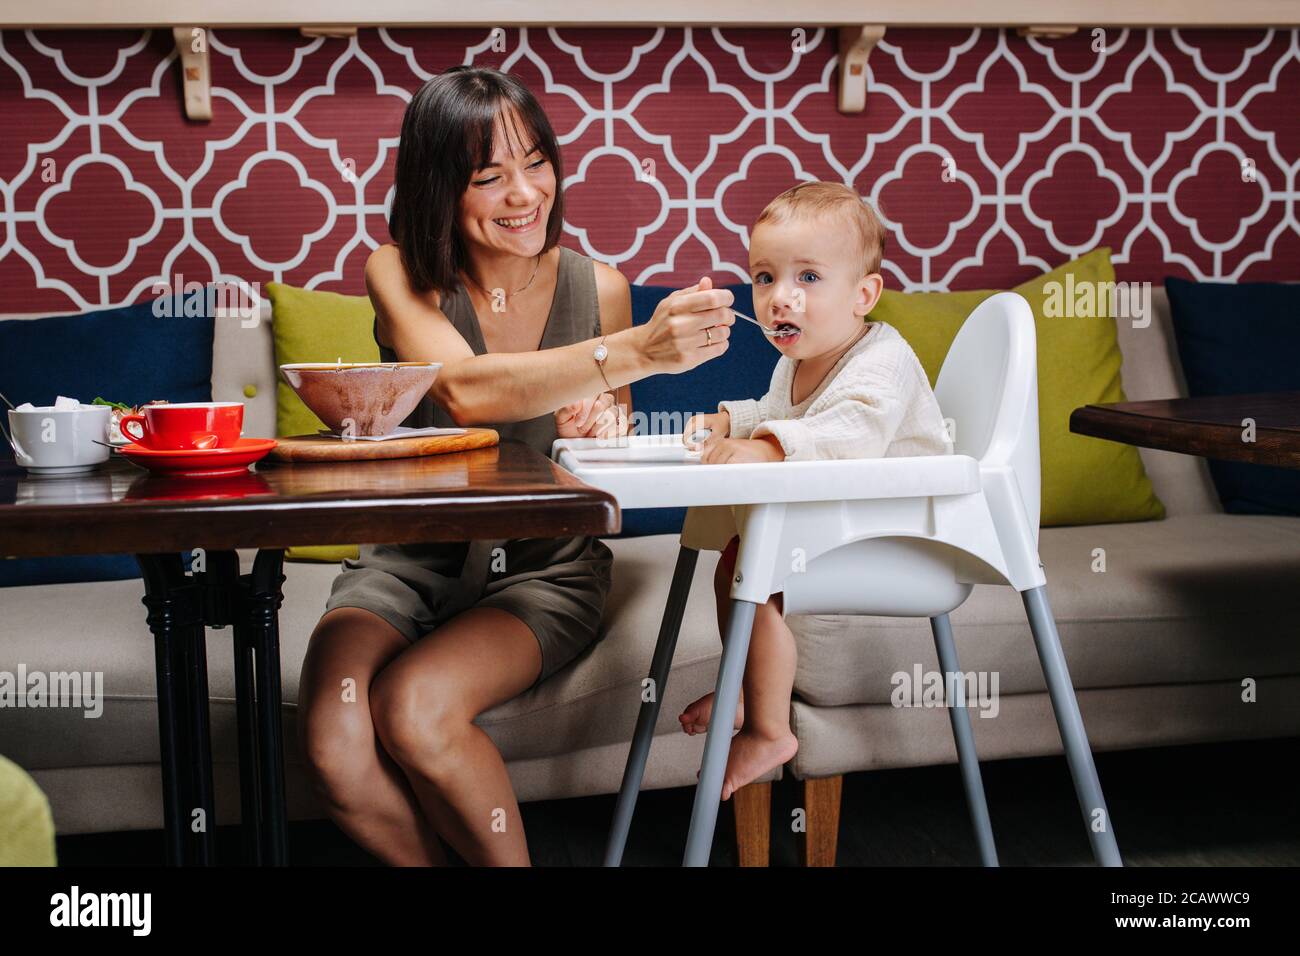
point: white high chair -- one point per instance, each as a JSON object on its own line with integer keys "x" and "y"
{"x": 905, "y": 537}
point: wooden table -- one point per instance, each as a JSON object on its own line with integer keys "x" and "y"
{"x": 1212, "y": 427}
{"x": 506, "y": 491}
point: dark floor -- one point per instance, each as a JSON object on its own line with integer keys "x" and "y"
{"x": 1230, "y": 804}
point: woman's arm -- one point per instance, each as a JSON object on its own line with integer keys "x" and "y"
{"x": 615, "y": 297}
{"x": 517, "y": 386}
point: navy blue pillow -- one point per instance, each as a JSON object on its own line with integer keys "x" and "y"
{"x": 127, "y": 354}
{"x": 1235, "y": 339}
{"x": 743, "y": 371}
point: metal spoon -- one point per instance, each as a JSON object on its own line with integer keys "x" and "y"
{"x": 766, "y": 330}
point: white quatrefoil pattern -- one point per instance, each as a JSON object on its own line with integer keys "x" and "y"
{"x": 992, "y": 157}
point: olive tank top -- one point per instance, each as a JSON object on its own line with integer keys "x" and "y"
{"x": 574, "y": 317}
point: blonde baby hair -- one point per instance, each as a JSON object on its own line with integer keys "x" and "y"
{"x": 834, "y": 199}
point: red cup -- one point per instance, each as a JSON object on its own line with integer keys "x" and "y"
{"x": 186, "y": 426}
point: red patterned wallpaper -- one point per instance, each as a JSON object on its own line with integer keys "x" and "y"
{"x": 992, "y": 157}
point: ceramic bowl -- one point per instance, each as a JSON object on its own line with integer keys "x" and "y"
{"x": 361, "y": 398}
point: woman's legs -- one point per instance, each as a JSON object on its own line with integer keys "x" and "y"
{"x": 367, "y": 795}
{"x": 424, "y": 703}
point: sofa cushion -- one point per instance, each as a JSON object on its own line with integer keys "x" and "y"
{"x": 1152, "y": 371}
{"x": 1235, "y": 339}
{"x": 1085, "y": 480}
{"x": 312, "y": 326}
{"x": 64, "y": 569}
{"x": 243, "y": 367}
{"x": 160, "y": 348}
{"x": 837, "y": 740}
{"x": 588, "y": 704}
{"x": 26, "y": 828}
{"x": 1190, "y": 598}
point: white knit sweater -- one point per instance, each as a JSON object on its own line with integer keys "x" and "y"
{"x": 875, "y": 403}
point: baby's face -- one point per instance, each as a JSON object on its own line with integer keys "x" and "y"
{"x": 805, "y": 273}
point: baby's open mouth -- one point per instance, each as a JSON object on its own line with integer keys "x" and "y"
{"x": 785, "y": 329}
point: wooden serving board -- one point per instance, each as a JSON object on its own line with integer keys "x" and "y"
{"x": 321, "y": 448}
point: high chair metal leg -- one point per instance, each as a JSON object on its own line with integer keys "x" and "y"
{"x": 722, "y": 724}
{"x": 1066, "y": 707}
{"x": 964, "y": 734}
{"x": 660, "y": 665}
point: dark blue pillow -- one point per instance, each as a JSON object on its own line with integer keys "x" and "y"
{"x": 1235, "y": 339}
{"x": 743, "y": 371}
{"x": 127, "y": 354}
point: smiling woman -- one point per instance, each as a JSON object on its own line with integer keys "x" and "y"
{"x": 532, "y": 338}
{"x": 449, "y": 136}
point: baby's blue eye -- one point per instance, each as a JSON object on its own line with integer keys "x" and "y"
{"x": 809, "y": 272}
{"x": 762, "y": 279}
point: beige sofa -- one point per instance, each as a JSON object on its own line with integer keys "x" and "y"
{"x": 1158, "y": 645}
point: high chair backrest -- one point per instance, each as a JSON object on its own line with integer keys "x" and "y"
{"x": 988, "y": 390}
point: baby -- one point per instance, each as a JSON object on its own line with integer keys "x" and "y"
{"x": 844, "y": 387}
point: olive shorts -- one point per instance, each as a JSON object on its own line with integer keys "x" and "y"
{"x": 557, "y": 586}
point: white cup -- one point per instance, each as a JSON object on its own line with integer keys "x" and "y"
{"x": 49, "y": 441}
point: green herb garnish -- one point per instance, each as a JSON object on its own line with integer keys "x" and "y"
{"x": 104, "y": 401}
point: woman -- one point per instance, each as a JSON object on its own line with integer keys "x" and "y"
{"x": 418, "y": 640}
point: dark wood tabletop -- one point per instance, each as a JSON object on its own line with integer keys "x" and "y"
{"x": 505, "y": 491}
{"x": 1212, "y": 427}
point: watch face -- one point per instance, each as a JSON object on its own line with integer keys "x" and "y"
{"x": 601, "y": 353}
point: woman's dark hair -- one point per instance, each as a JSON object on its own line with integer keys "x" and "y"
{"x": 447, "y": 137}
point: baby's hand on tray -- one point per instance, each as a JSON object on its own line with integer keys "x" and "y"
{"x": 596, "y": 417}
{"x": 739, "y": 451}
{"x": 719, "y": 424}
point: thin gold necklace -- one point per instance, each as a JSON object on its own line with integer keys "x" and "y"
{"x": 523, "y": 288}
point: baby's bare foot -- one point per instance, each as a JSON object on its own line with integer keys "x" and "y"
{"x": 695, "y": 718}
{"x": 753, "y": 755}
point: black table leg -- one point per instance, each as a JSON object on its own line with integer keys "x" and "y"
{"x": 172, "y": 620}
{"x": 180, "y": 608}
{"x": 226, "y": 605}
{"x": 262, "y": 598}
{"x": 200, "y": 729}
{"x": 249, "y": 775}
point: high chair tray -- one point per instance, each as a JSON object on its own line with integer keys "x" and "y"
{"x": 657, "y": 471}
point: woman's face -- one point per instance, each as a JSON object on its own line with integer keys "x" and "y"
{"x": 507, "y": 204}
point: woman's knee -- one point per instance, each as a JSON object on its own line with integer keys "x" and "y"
{"x": 416, "y": 715}
{"x": 338, "y": 743}
{"x": 335, "y": 730}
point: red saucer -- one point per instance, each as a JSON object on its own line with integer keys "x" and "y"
{"x": 200, "y": 462}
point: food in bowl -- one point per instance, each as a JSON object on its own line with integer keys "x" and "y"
{"x": 361, "y": 398}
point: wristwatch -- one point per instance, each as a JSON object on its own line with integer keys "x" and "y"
{"x": 600, "y": 354}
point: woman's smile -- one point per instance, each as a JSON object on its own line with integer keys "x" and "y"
{"x": 520, "y": 223}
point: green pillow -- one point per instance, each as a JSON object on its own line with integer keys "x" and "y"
{"x": 316, "y": 327}
{"x": 1085, "y": 480}
{"x": 26, "y": 825}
